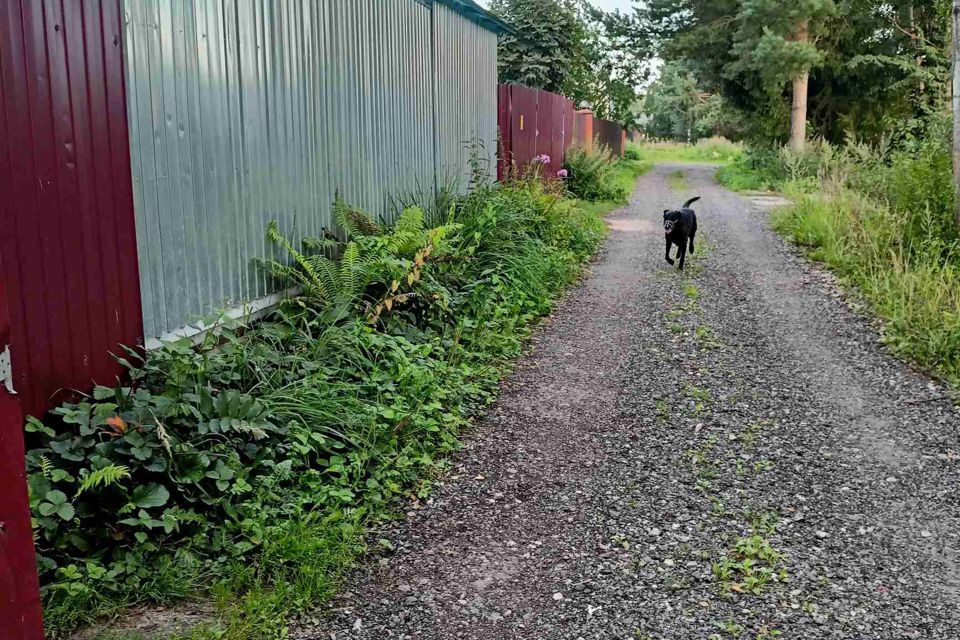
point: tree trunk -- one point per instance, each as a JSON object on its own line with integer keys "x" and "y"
{"x": 956, "y": 107}
{"x": 798, "y": 113}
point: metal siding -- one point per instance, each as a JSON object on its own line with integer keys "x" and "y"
{"x": 467, "y": 95}
{"x": 242, "y": 112}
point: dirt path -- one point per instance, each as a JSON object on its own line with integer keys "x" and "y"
{"x": 662, "y": 422}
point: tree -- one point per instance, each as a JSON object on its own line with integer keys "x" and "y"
{"x": 676, "y": 107}
{"x": 778, "y": 40}
{"x": 610, "y": 72}
{"x": 548, "y": 47}
{"x": 876, "y": 63}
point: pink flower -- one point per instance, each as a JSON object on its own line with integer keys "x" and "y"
{"x": 562, "y": 173}
{"x": 543, "y": 159}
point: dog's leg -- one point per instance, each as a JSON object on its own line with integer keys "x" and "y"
{"x": 681, "y": 254}
{"x": 692, "y": 234}
{"x": 667, "y": 253}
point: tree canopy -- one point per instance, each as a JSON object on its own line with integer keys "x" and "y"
{"x": 572, "y": 48}
{"x": 871, "y": 66}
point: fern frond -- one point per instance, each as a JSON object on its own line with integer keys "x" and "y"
{"x": 104, "y": 477}
{"x": 273, "y": 233}
{"x": 46, "y": 467}
{"x": 410, "y": 221}
{"x": 353, "y": 221}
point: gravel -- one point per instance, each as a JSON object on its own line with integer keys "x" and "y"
{"x": 660, "y": 418}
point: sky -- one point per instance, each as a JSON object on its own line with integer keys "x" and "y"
{"x": 610, "y": 5}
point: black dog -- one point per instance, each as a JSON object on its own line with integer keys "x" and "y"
{"x": 679, "y": 227}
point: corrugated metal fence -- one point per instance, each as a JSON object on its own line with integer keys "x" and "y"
{"x": 534, "y": 122}
{"x": 244, "y": 112}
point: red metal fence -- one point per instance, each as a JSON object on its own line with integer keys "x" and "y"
{"x": 67, "y": 247}
{"x": 534, "y": 122}
{"x": 609, "y": 134}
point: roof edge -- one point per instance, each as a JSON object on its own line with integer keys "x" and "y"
{"x": 478, "y": 15}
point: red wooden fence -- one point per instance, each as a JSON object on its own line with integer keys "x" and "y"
{"x": 67, "y": 245}
{"x": 534, "y": 122}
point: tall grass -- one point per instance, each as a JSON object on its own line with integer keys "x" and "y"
{"x": 882, "y": 219}
{"x": 713, "y": 150}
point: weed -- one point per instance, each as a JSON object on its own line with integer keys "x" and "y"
{"x": 749, "y": 566}
{"x": 762, "y": 465}
{"x": 731, "y": 628}
{"x": 662, "y": 409}
{"x": 706, "y": 338}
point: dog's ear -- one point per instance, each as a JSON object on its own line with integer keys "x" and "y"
{"x": 665, "y": 212}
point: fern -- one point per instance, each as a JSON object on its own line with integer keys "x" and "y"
{"x": 354, "y": 222}
{"x": 46, "y": 467}
{"x": 104, "y": 477}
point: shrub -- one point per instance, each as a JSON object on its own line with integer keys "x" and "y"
{"x": 591, "y": 175}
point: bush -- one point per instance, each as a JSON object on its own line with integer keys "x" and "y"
{"x": 591, "y": 175}
{"x": 256, "y": 457}
{"x": 632, "y": 152}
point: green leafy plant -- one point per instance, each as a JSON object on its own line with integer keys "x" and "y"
{"x": 591, "y": 175}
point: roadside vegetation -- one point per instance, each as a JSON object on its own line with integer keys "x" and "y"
{"x": 882, "y": 217}
{"x": 598, "y": 181}
{"x": 247, "y": 467}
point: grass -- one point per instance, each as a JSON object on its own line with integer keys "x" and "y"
{"x": 711, "y": 150}
{"x": 916, "y": 294}
{"x": 677, "y": 180}
{"x": 624, "y": 177}
{"x": 738, "y": 177}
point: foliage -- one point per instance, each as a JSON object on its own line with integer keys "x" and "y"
{"x": 611, "y": 71}
{"x": 871, "y": 65}
{"x": 249, "y": 463}
{"x": 547, "y": 46}
{"x": 677, "y": 108}
{"x": 591, "y": 175}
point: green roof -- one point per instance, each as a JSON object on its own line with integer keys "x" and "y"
{"x": 475, "y": 13}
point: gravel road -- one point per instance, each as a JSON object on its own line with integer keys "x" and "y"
{"x": 724, "y": 453}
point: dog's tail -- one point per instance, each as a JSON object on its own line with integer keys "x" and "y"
{"x": 689, "y": 202}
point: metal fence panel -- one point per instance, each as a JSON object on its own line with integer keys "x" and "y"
{"x": 246, "y": 111}
{"x": 466, "y": 71}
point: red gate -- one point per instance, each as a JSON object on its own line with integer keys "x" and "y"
{"x": 69, "y": 282}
